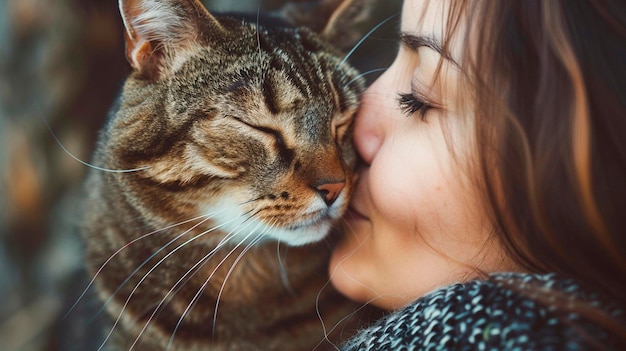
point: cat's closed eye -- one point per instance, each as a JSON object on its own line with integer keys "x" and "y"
{"x": 275, "y": 134}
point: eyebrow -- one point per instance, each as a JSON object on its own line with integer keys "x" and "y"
{"x": 414, "y": 42}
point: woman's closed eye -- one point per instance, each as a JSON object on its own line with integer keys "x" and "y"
{"x": 410, "y": 105}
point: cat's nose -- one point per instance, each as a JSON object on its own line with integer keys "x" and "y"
{"x": 330, "y": 191}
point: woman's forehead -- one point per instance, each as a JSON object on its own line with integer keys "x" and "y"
{"x": 425, "y": 17}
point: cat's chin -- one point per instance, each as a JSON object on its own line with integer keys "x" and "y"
{"x": 304, "y": 234}
{"x": 298, "y": 235}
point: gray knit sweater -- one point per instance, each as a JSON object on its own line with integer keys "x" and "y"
{"x": 488, "y": 315}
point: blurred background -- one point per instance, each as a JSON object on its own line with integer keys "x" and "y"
{"x": 62, "y": 61}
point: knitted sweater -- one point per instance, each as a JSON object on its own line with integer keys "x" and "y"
{"x": 488, "y": 315}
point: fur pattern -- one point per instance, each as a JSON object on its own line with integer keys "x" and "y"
{"x": 241, "y": 134}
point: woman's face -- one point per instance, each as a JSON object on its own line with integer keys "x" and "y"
{"x": 416, "y": 221}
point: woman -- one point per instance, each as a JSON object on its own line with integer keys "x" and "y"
{"x": 491, "y": 207}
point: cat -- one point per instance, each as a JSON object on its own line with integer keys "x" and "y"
{"x": 224, "y": 165}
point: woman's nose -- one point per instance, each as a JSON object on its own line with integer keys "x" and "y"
{"x": 368, "y": 131}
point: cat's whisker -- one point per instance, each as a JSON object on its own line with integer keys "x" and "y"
{"x": 356, "y": 46}
{"x": 256, "y": 240}
{"x": 375, "y": 70}
{"x": 250, "y": 201}
{"x": 176, "y": 286}
{"x": 258, "y": 17}
{"x": 203, "y": 287}
{"x": 208, "y": 217}
{"x": 281, "y": 268}
{"x": 252, "y": 216}
{"x": 150, "y": 271}
{"x": 349, "y": 230}
{"x": 74, "y": 157}
{"x": 95, "y": 276}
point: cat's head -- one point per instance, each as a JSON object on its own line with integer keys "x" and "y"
{"x": 246, "y": 122}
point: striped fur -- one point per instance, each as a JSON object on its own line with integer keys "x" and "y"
{"x": 240, "y": 128}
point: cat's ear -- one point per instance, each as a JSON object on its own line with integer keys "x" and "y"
{"x": 158, "y": 30}
{"x": 336, "y": 20}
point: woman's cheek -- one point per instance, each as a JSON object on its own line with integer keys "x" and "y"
{"x": 394, "y": 187}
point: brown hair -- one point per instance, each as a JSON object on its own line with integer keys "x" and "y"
{"x": 550, "y": 105}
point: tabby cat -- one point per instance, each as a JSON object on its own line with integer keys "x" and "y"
{"x": 224, "y": 164}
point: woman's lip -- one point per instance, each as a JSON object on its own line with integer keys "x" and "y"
{"x": 352, "y": 213}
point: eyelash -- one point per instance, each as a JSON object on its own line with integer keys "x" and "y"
{"x": 411, "y": 105}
